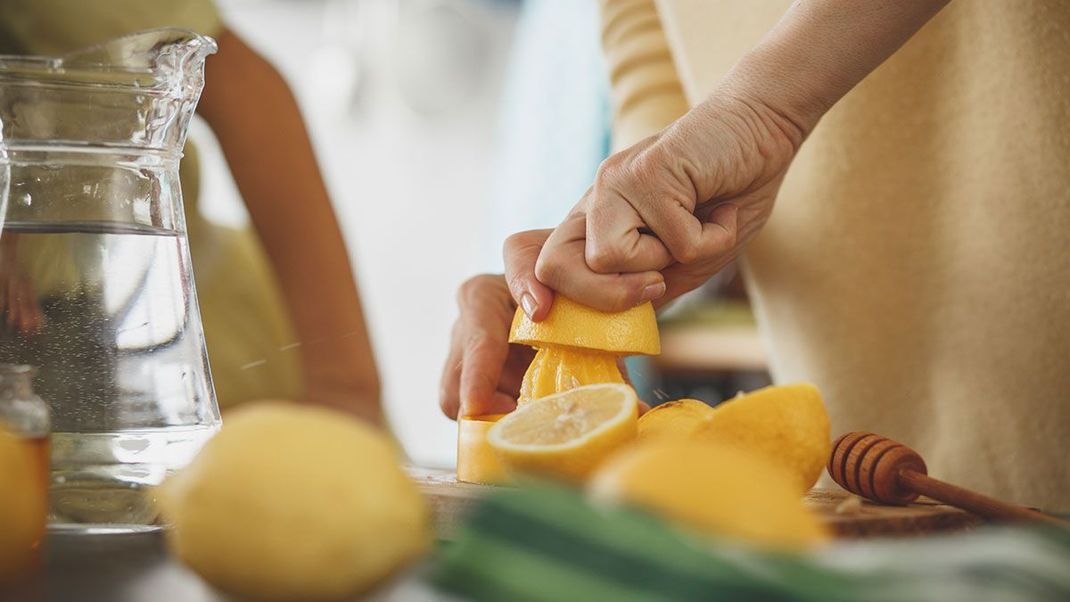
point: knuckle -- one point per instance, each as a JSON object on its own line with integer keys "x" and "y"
{"x": 611, "y": 165}
{"x": 515, "y": 281}
{"x": 603, "y": 258}
{"x": 621, "y": 297}
{"x": 646, "y": 166}
{"x": 687, "y": 251}
{"x": 547, "y": 270}
{"x": 475, "y": 340}
{"x": 615, "y": 173}
{"x": 473, "y": 287}
{"x": 481, "y": 381}
{"x": 515, "y": 241}
{"x": 480, "y": 341}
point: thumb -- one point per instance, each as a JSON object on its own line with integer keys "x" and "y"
{"x": 521, "y": 252}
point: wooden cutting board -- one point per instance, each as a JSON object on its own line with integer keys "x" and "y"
{"x": 449, "y": 500}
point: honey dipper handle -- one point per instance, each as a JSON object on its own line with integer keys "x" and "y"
{"x": 981, "y": 505}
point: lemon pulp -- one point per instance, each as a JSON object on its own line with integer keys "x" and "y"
{"x": 558, "y": 368}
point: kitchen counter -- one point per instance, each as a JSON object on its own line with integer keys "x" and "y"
{"x": 136, "y": 567}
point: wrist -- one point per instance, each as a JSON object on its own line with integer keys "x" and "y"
{"x": 762, "y": 83}
{"x": 729, "y": 142}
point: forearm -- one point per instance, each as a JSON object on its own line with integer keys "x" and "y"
{"x": 259, "y": 127}
{"x": 821, "y": 49}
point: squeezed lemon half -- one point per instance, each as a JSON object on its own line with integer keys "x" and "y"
{"x": 566, "y": 435}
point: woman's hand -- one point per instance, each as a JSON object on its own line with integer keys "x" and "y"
{"x": 483, "y": 370}
{"x": 666, "y": 214}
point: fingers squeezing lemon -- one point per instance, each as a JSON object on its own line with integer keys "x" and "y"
{"x": 575, "y": 346}
{"x": 578, "y": 345}
{"x": 736, "y": 470}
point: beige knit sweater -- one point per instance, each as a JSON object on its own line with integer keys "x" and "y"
{"x": 917, "y": 264}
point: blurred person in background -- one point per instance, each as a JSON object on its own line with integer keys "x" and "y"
{"x": 915, "y": 266}
{"x": 281, "y": 312}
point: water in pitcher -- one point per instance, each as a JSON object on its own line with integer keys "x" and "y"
{"x": 107, "y": 312}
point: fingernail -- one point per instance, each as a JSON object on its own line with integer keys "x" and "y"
{"x": 527, "y": 301}
{"x": 652, "y": 292}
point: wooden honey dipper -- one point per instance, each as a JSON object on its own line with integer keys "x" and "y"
{"x": 888, "y": 472}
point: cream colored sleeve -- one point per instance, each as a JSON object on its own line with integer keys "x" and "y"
{"x": 644, "y": 88}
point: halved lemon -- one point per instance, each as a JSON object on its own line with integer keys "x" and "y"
{"x": 567, "y": 435}
{"x": 721, "y": 490}
{"x": 786, "y": 423}
{"x": 572, "y": 324}
{"x": 579, "y": 345}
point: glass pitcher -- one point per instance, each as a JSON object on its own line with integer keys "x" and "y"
{"x": 96, "y": 288}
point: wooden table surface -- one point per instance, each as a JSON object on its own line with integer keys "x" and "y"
{"x": 136, "y": 567}
{"x": 852, "y": 519}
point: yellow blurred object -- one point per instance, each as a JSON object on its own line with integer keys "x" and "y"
{"x": 578, "y": 345}
{"x": 23, "y": 506}
{"x": 788, "y": 424}
{"x": 567, "y": 435}
{"x": 718, "y": 490}
{"x": 295, "y": 503}
{"x": 675, "y": 420}
{"x": 476, "y": 462}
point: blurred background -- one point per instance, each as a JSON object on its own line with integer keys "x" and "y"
{"x": 443, "y": 126}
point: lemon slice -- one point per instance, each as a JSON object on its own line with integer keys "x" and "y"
{"x": 567, "y": 435}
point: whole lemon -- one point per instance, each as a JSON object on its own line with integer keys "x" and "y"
{"x": 295, "y": 502}
{"x": 788, "y": 424}
{"x": 22, "y": 506}
{"x": 714, "y": 489}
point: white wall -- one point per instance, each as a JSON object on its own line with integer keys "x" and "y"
{"x": 401, "y": 99}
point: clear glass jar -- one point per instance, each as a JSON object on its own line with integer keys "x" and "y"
{"x": 95, "y": 263}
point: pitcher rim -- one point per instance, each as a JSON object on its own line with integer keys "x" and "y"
{"x": 59, "y": 65}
